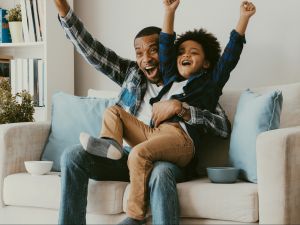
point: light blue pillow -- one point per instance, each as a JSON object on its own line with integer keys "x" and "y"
{"x": 70, "y": 116}
{"x": 255, "y": 114}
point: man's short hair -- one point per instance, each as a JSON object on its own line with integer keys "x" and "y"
{"x": 208, "y": 41}
{"x": 148, "y": 31}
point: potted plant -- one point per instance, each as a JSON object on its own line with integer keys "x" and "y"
{"x": 14, "y": 18}
{"x": 15, "y": 108}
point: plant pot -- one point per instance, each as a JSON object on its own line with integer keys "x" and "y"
{"x": 15, "y": 29}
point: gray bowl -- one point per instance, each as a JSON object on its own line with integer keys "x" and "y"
{"x": 224, "y": 175}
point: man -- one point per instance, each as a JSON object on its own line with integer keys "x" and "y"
{"x": 140, "y": 81}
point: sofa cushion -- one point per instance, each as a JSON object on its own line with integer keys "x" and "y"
{"x": 202, "y": 199}
{"x": 256, "y": 113}
{"x": 24, "y": 189}
{"x": 70, "y": 116}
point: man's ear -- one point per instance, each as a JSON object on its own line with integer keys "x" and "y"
{"x": 206, "y": 64}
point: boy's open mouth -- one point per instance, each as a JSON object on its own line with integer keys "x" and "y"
{"x": 186, "y": 63}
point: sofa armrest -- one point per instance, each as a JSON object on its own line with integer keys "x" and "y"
{"x": 20, "y": 142}
{"x": 278, "y": 171}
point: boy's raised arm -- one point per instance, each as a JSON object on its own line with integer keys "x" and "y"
{"x": 169, "y": 17}
{"x": 247, "y": 10}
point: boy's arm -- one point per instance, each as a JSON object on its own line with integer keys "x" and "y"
{"x": 167, "y": 55}
{"x": 233, "y": 50}
{"x": 100, "y": 57}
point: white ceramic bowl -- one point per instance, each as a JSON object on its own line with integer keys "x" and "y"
{"x": 38, "y": 167}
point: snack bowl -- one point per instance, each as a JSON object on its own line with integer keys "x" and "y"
{"x": 38, "y": 167}
{"x": 224, "y": 175}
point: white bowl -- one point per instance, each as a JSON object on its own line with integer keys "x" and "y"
{"x": 38, "y": 167}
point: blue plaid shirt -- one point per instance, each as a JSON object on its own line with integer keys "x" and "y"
{"x": 127, "y": 74}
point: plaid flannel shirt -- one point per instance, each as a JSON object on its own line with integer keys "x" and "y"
{"x": 127, "y": 74}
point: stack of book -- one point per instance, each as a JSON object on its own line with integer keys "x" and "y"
{"x": 28, "y": 74}
{"x": 33, "y": 22}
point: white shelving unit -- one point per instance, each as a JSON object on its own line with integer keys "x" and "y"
{"x": 55, "y": 50}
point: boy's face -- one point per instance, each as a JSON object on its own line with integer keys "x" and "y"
{"x": 191, "y": 58}
{"x": 146, "y": 51}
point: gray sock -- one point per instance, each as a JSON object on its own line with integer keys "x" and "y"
{"x": 104, "y": 147}
{"x": 131, "y": 221}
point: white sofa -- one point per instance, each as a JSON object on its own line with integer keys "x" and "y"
{"x": 27, "y": 199}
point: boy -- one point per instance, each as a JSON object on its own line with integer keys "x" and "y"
{"x": 173, "y": 140}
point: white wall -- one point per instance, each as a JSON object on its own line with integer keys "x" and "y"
{"x": 271, "y": 55}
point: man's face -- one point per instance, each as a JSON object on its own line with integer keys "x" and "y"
{"x": 190, "y": 59}
{"x": 146, "y": 51}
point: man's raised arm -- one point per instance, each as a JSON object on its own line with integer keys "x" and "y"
{"x": 62, "y": 7}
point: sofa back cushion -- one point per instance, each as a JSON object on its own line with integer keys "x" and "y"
{"x": 215, "y": 150}
{"x": 255, "y": 114}
{"x": 70, "y": 116}
{"x": 290, "y": 108}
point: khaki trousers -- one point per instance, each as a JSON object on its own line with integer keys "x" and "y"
{"x": 168, "y": 142}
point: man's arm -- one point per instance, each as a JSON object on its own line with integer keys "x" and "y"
{"x": 167, "y": 55}
{"x": 233, "y": 50}
{"x": 62, "y": 6}
{"x": 216, "y": 123}
{"x": 100, "y": 57}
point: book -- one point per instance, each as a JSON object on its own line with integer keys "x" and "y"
{"x": 24, "y": 21}
{"x": 13, "y": 76}
{"x": 30, "y": 18}
{"x": 41, "y": 82}
{"x": 4, "y": 29}
{"x": 41, "y": 13}
{"x": 37, "y": 21}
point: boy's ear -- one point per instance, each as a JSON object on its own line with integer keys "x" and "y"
{"x": 206, "y": 64}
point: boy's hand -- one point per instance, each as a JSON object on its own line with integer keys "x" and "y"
{"x": 247, "y": 9}
{"x": 171, "y": 5}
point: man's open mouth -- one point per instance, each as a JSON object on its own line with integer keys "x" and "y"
{"x": 150, "y": 69}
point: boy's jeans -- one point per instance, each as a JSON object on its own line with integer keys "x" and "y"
{"x": 77, "y": 167}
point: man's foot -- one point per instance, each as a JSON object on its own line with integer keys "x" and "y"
{"x": 131, "y": 221}
{"x": 104, "y": 147}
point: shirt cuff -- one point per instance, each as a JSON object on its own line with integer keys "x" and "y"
{"x": 234, "y": 35}
{"x": 68, "y": 20}
{"x": 194, "y": 116}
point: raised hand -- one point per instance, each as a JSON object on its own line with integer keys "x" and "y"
{"x": 171, "y": 5}
{"x": 248, "y": 9}
{"x": 62, "y": 7}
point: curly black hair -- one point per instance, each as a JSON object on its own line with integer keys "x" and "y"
{"x": 208, "y": 41}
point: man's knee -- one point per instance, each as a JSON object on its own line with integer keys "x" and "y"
{"x": 162, "y": 172}
{"x": 72, "y": 155}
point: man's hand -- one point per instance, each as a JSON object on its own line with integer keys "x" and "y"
{"x": 62, "y": 7}
{"x": 164, "y": 110}
{"x": 247, "y": 9}
{"x": 171, "y": 5}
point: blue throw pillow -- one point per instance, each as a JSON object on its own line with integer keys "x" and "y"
{"x": 70, "y": 116}
{"x": 255, "y": 114}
